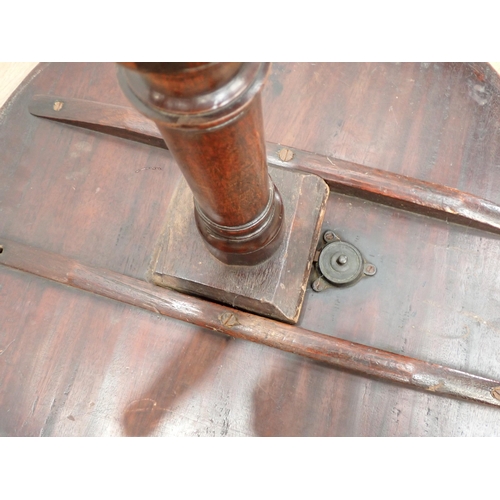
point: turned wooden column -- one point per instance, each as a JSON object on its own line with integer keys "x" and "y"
{"x": 210, "y": 117}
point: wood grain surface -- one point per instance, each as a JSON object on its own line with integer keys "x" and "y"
{"x": 372, "y": 184}
{"x": 72, "y": 363}
{"x": 224, "y": 319}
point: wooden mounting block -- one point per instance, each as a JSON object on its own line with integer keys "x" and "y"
{"x": 274, "y": 288}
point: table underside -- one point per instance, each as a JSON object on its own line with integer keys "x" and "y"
{"x": 73, "y": 363}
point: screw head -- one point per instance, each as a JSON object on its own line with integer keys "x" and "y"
{"x": 319, "y": 285}
{"x": 329, "y": 236}
{"x": 495, "y": 392}
{"x": 228, "y": 319}
{"x": 285, "y": 154}
{"x": 370, "y": 269}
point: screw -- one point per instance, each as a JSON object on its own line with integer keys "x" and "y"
{"x": 370, "y": 269}
{"x": 285, "y": 154}
{"x": 228, "y": 319}
{"x": 329, "y": 236}
{"x": 495, "y": 392}
{"x": 342, "y": 260}
{"x": 319, "y": 285}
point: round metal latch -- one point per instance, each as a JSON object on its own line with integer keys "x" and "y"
{"x": 338, "y": 264}
{"x": 341, "y": 263}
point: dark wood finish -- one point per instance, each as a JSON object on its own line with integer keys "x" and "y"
{"x": 326, "y": 349}
{"x": 74, "y": 363}
{"x": 394, "y": 190}
{"x": 119, "y": 121}
{"x": 388, "y": 188}
{"x": 210, "y": 116}
{"x": 274, "y": 288}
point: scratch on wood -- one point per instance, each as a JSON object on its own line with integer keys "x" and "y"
{"x": 432, "y": 303}
{"x": 34, "y": 406}
{"x": 393, "y": 114}
{"x": 479, "y": 320}
{"x": 154, "y": 407}
{"x": 146, "y": 408}
{"x": 8, "y": 345}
